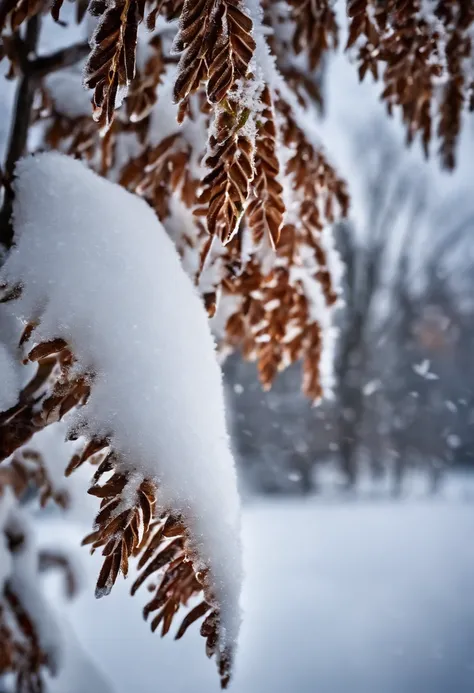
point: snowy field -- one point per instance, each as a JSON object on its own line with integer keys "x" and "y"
{"x": 362, "y": 596}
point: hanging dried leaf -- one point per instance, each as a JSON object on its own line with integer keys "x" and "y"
{"x": 226, "y": 188}
{"x": 316, "y": 30}
{"x": 265, "y": 211}
{"x": 414, "y": 49}
{"x": 216, "y": 45}
{"x": 111, "y": 65}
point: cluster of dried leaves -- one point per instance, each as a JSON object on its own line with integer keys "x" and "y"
{"x": 244, "y": 190}
{"x": 257, "y": 161}
{"x": 131, "y": 523}
{"x": 420, "y": 57}
{"x": 426, "y": 60}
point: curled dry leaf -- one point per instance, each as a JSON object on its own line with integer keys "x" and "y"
{"x": 40, "y": 404}
{"x": 142, "y": 93}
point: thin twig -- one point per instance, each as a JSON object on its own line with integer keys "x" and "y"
{"x": 31, "y": 72}
{"x": 19, "y": 131}
{"x": 63, "y": 58}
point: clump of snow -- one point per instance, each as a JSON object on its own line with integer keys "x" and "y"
{"x": 453, "y": 441}
{"x": 99, "y": 269}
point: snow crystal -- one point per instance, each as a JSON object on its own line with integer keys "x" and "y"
{"x": 423, "y": 370}
{"x": 371, "y": 387}
{"x": 101, "y": 271}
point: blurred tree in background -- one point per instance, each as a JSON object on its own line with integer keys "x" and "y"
{"x": 404, "y": 399}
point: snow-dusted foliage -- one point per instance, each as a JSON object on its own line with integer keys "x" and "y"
{"x": 222, "y": 149}
{"x": 206, "y": 109}
{"x": 424, "y": 52}
{"x": 138, "y": 360}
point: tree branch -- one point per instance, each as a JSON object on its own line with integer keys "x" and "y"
{"x": 31, "y": 72}
{"x": 19, "y": 131}
{"x": 5, "y": 7}
{"x": 59, "y": 60}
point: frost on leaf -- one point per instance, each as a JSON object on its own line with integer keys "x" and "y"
{"x": 226, "y": 187}
{"x": 266, "y": 210}
{"x": 424, "y": 53}
{"x": 216, "y": 44}
{"x": 232, "y": 171}
{"x": 111, "y": 64}
{"x": 134, "y": 365}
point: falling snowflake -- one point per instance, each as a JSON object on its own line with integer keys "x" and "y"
{"x": 423, "y": 370}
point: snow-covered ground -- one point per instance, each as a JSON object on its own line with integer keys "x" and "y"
{"x": 340, "y": 597}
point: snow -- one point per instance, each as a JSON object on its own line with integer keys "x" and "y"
{"x": 366, "y": 596}
{"x": 23, "y": 581}
{"x": 100, "y": 271}
{"x": 7, "y": 93}
{"x": 164, "y": 113}
{"x": 68, "y": 95}
{"x": 423, "y": 370}
{"x": 268, "y": 72}
{"x": 7, "y": 501}
{"x": 77, "y": 674}
{"x": 9, "y": 379}
{"x": 371, "y": 387}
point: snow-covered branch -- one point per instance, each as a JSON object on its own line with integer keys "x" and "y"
{"x": 103, "y": 287}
